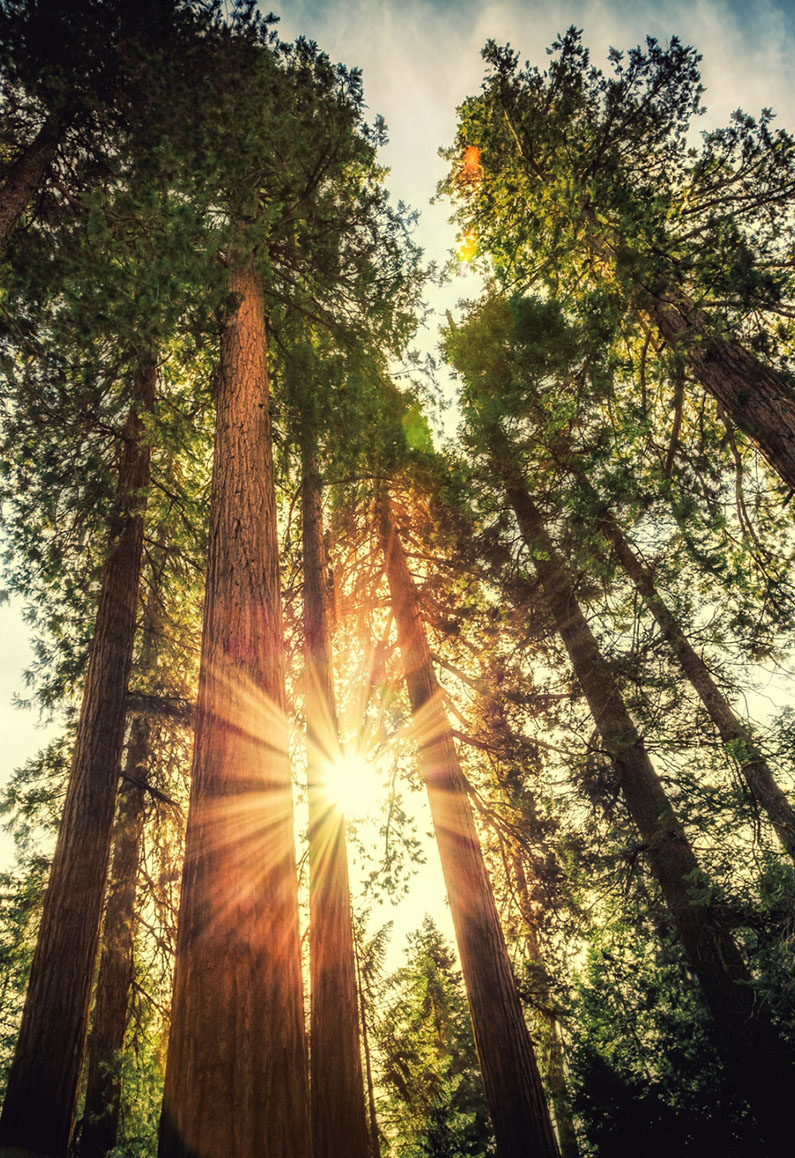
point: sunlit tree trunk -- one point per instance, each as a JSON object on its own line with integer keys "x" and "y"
{"x": 753, "y": 1052}
{"x": 375, "y": 1141}
{"x": 39, "y": 1109}
{"x": 733, "y": 731}
{"x": 511, "y": 1080}
{"x": 27, "y": 173}
{"x": 236, "y": 1082}
{"x": 339, "y": 1116}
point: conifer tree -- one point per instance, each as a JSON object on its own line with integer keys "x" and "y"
{"x": 510, "y": 1074}
{"x": 602, "y": 181}
{"x": 40, "y": 1102}
{"x": 339, "y": 1119}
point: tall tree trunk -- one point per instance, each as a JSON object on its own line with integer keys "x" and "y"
{"x": 100, "y": 1120}
{"x": 510, "y": 1075}
{"x": 236, "y": 1082}
{"x": 38, "y": 1113}
{"x": 554, "y": 1068}
{"x": 339, "y": 1115}
{"x": 375, "y": 1141}
{"x": 27, "y": 173}
{"x": 99, "y": 1126}
{"x": 753, "y": 1052}
{"x": 731, "y": 729}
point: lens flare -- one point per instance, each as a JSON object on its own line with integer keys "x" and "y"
{"x": 467, "y": 247}
{"x": 351, "y": 784}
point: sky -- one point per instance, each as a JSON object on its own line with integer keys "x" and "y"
{"x": 419, "y": 61}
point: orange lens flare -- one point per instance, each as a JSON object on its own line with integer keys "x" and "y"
{"x": 471, "y": 168}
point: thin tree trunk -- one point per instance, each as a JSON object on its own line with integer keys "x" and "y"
{"x": 753, "y": 766}
{"x": 339, "y": 1115}
{"x": 753, "y": 1052}
{"x": 375, "y": 1143}
{"x": 554, "y": 1069}
{"x": 27, "y": 174}
{"x": 106, "y": 1039}
{"x": 99, "y": 1125}
{"x": 510, "y": 1074}
{"x": 38, "y": 1113}
{"x": 236, "y": 1083}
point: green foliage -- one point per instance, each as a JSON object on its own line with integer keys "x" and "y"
{"x": 433, "y": 1103}
{"x": 644, "y": 1073}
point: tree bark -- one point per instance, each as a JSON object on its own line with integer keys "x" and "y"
{"x": 27, "y": 174}
{"x": 339, "y": 1115}
{"x": 753, "y": 766}
{"x": 38, "y": 1113}
{"x": 510, "y": 1074}
{"x": 100, "y": 1120}
{"x": 554, "y": 1067}
{"x": 754, "y": 1055}
{"x": 236, "y": 1082}
{"x": 99, "y": 1125}
{"x": 759, "y": 399}
{"x": 375, "y": 1141}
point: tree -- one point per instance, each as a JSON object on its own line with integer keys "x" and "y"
{"x": 510, "y": 1074}
{"x": 40, "y": 1102}
{"x": 743, "y": 1030}
{"x": 435, "y": 1104}
{"x": 73, "y": 81}
{"x": 603, "y": 183}
{"x": 339, "y": 1118}
{"x": 529, "y": 346}
{"x": 232, "y": 896}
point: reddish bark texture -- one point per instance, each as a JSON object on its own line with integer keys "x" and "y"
{"x": 38, "y": 1113}
{"x": 236, "y": 1083}
{"x": 544, "y": 1002}
{"x": 511, "y": 1080}
{"x": 339, "y": 1115}
{"x": 753, "y": 1052}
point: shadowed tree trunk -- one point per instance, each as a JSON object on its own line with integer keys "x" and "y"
{"x": 753, "y": 766}
{"x": 38, "y": 1113}
{"x": 554, "y": 1068}
{"x": 27, "y": 173}
{"x": 759, "y": 399}
{"x": 114, "y": 982}
{"x": 236, "y": 1083}
{"x": 339, "y": 1116}
{"x": 511, "y": 1081}
{"x": 754, "y": 1054}
{"x": 99, "y": 1125}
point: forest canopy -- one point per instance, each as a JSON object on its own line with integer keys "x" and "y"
{"x": 301, "y": 636}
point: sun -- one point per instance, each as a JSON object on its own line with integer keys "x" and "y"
{"x": 352, "y": 784}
